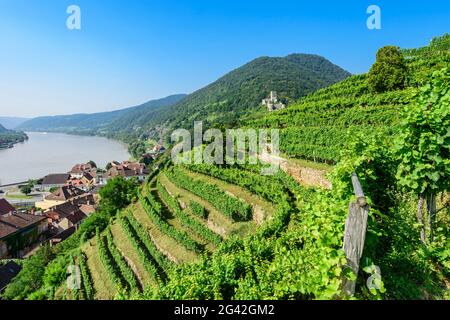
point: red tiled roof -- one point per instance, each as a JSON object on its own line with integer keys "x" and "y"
{"x": 5, "y": 207}
{"x": 127, "y": 169}
{"x": 65, "y": 193}
{"x": 12, "y": 223}
{"x": 54, "y": 179}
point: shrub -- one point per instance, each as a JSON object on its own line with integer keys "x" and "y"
{"x": 389, "y": 71}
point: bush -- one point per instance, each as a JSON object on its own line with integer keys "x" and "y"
{"x": 198, "y": 209}
{"x": 389, "y": 71}
{"x": 117, "y": 194}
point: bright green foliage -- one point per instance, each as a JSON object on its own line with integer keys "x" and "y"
{"x": 188, "y": 221}
{"x": 137, "y": 149}
{"x": 198, "y": 209}
{"x": 274, "y": 189}
{"x": 304, "y": 262}
{"x": 86, "y": 278}
{"x": 389, "y": 71}
{"x": 424, "y": 143}
{"x": 141, "y": 244}
{"x": 371, "y": 158}
{"x": 144, "y": 236}
{"x": 232, "y": 207}
{"x": 110, "y": 264}
{"x": 117, "y": 194}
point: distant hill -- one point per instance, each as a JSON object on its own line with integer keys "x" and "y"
{"x": 12, "y": 122}
{"x": 2, "y": 128}
{"x": 222, "y": 103}
{"x": 95, "y": 123}
{"x": 240, "y": 92}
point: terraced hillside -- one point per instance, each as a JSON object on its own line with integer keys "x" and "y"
{"x": 258, "y": 237}
{"x": 228, "y": 232}
{"x": 181, "y": 216}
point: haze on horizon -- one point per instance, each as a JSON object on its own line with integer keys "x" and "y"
{"x": 127, "y": 53}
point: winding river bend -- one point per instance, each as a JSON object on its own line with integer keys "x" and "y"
{"x": 46, "y": 153}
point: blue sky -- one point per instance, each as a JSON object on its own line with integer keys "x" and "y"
{"x": 131, "y": 51}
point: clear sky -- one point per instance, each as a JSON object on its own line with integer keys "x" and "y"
{"x": 131, "y": 51}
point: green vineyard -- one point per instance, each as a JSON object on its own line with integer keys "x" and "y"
{"x": 227, "y": 232}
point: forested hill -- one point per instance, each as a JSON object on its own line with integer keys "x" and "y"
{"x": 2, "y": 128}
{"x": 97, "y": 123}
{"x": 221, "y": 103}
{"x": 240, "y": 92}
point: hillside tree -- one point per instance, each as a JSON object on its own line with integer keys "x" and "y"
{"x": 389, "y": 72}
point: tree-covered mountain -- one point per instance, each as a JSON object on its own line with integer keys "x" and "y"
{"x": 97, "y": 122}
{"x": 239, "y": 93}
{"x": 2, "y": 128}
{"x": 222, "y": 103}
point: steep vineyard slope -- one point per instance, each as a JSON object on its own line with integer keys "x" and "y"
{"x": 315, "y": 128}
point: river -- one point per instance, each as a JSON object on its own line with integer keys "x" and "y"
{"x": 46, "y": 153}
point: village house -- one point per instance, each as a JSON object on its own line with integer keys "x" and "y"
{"x": 127, "y": 170}
{"x": 6, "y": 207}
{"x": 72, "y": 220}
{"x": 55, "y": 180}
{"x": 60, "y": 196}
{"x": 62, "y": 236}
{"x": 18, "y": 232}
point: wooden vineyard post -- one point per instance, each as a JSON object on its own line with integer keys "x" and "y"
{"x": 355, "y": 233}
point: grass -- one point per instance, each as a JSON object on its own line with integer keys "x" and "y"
{"x": 126, "y": 248}
{"x": 104, "y": 287}
{"x": 163, "y": 241}
{"x": 18, "y": 196}
{"x": 216, "y": 217}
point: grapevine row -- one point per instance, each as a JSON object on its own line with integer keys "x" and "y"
{"x": 198, "y": 209}
{"x": 142, "y": 251}
{"x": 110, "y": 265}
{"x": 146, "y": 240}
{"x": 86, "y": 277}
{"x": 163, "y": 226}
{"x": 126, "y": 271}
